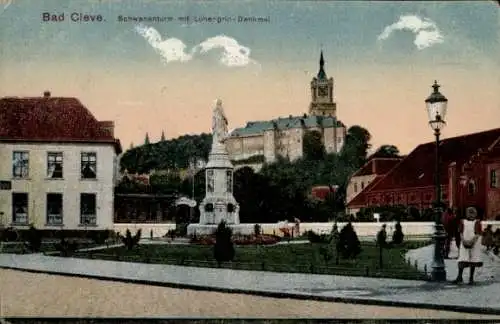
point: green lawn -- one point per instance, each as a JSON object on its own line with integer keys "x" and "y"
{"x": 302, "y": 258}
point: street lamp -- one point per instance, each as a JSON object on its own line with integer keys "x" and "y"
{"x": 436, "y": 105}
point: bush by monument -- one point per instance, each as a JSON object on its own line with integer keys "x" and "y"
{"x": 348, "y": 244}
{"x": 131, "y": 241}
{"x": 223, "y": 248}
{"x": 398, "y": 236}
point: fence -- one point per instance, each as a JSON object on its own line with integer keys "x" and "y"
{"x": 311, "y": 268}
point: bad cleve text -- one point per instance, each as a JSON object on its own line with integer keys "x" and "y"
{"x": 77, "y": 17}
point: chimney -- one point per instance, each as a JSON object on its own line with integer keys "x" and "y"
{"x": 46, "y": 94}
{"x": 108, "y": 127}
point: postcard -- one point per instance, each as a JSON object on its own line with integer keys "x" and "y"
{"x": 253, "y": 160}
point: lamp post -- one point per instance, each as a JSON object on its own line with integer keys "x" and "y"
{"x": 436, "y": 105}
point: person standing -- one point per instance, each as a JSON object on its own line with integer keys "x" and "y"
{"x": 470, "y": 246}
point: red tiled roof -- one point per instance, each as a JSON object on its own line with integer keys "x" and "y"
{"x": 52, "y": 119}
{"x": 417, "y": 169}
{"x": 377, "y": 166}
{"x": 360, "y": 199}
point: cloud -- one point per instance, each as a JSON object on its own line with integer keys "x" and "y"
{"x": 174, "y": 50}
{"x": 425, "y": 30}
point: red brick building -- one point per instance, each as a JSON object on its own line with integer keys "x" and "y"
{"x": 363, "y": 179}
{"x": 470, "y": 165}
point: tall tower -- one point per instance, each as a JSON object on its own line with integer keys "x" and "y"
{"x": 322, "y": 93}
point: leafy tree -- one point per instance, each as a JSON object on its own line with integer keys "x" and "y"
{"x": 169, "y": 154}
{"x": 165, "y": 182}
{"x": 199, "y": 186}
{"x": 223, "y": 248}
{"x": 355, "y": 149}
{"x": 386, "y": 151}
{"x": 312, "y": 145}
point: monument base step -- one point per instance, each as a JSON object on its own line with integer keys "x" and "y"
{"x": 208, "y": 229}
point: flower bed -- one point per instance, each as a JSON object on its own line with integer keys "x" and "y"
{"x": 239, "y": 240}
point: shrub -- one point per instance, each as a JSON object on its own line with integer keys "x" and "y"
{"x": 398, "y": 236}
{"x": 223, "y": 248}
{"x": 257, "y": 229}
{"x": 316, "y": 238}
{"x": 9, "y": 234}
{"x": 99, "y": 237}
{"x": 66, "y": 247}
{"x": 181, "y": 229}
{"x": 34, "y": 240}
{"x": 131, "y": 241}
{"x": 348, "y": 244}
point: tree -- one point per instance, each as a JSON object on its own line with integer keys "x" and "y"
{"x": 146, "y": 140}
{"x": 223, "y": 248}
{"x": 169, "y": 182}
{"x": 349, "y": 244}
{"x": 312, "y": 145}
{"x": 386, "y": 151}
{"x": 355, "y": 149}
{"x": 162, "y": 139}
{"x": 169, "y": 154}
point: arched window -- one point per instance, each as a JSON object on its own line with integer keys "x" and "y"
{"x": 355, "y": 187}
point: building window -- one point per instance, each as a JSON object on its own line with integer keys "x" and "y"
{"x": 88, "y": 166}
{"x": 88, "y": 210}
{"x": 55, "y": 165}
{"x": 471, "y": 188}
{"x": 54, "y": 209}
{"x": 19, "y": 208}
{"x": 362, "y": 185}
{"x": 355, "y": 187}
{"x": 493, "y": 179}
{"x": 20, "y": 165}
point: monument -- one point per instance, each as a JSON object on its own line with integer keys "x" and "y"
{"x": 219, "y": 203}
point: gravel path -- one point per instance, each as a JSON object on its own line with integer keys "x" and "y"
{"x": 31, "y": 294}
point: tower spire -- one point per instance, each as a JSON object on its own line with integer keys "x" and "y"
{"x": 321, "y": 72}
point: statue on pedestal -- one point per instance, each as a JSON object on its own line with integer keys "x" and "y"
{"x": 219, "y": 124}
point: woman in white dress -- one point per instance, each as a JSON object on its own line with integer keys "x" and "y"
{"x": 470, "y": 246}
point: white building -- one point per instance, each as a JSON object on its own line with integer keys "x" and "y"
{"x": 264, "y": 141}
{"x": 58, "y": 164}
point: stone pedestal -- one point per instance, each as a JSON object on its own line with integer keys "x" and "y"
{"x": 219, "y": 203}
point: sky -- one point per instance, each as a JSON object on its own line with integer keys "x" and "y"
{"x": 166, "y": 75}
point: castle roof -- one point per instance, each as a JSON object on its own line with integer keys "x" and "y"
{"x": 291, "y": 122}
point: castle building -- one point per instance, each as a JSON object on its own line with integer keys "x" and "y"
{"x": 265, "y": 141}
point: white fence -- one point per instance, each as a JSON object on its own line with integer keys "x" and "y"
{"x": 363, "y": 229}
